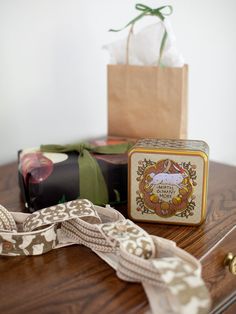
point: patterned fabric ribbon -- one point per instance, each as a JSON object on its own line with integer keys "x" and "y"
{"x": 170, "y": 276}
{"x": 90, "y": 174}
{"x": 147, "y": 11}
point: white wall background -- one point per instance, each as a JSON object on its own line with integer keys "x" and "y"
{"x": 53, "y": 70}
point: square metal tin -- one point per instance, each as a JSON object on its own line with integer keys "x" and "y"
{"x": 167, "y": 181}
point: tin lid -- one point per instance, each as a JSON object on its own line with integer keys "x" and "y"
{"x": 195, "y": 145}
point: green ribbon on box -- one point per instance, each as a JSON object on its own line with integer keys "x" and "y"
{"x": 147, "y": 11}
{"x": 90, "y": 174}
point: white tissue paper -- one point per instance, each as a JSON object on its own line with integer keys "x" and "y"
{"x": 144, "y": 47}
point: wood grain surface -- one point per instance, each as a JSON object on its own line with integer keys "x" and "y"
{"x": 75, "y": 280}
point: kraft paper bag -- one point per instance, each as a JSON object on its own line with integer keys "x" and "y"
{"x": 147, "y": 101}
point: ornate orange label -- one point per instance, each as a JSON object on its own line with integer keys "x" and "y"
{"x": 166, "y": 188}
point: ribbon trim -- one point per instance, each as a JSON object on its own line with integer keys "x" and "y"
{"x": 169, "y": 275}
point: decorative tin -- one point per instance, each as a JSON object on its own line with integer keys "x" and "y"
{"x": 168, "y": 181}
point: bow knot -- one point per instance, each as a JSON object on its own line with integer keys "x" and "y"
{"x": 79, "y": 148}
{"x": 154, "y": 12}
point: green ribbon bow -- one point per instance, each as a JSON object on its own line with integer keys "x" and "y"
{"x": 151, "y": 12}
{"x": 91, "y": 180}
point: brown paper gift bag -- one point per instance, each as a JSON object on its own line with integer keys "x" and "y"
{"x": 147, "y": 101}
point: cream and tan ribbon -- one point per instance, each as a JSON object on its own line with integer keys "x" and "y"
{"x": 170, "y": 276}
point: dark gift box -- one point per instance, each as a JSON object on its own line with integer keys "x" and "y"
{"x": 55, "y": 174}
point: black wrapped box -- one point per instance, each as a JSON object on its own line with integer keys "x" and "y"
{"x": 50, "y": 178}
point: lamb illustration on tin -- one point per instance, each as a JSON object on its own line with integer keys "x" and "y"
{"x": 169, "y": 178}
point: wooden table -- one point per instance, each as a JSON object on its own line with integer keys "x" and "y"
{"x": 75, "y": 280}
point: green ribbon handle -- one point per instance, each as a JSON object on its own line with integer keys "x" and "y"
{"x": 91, "y": 180}
{"x": 147, "y": 11}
